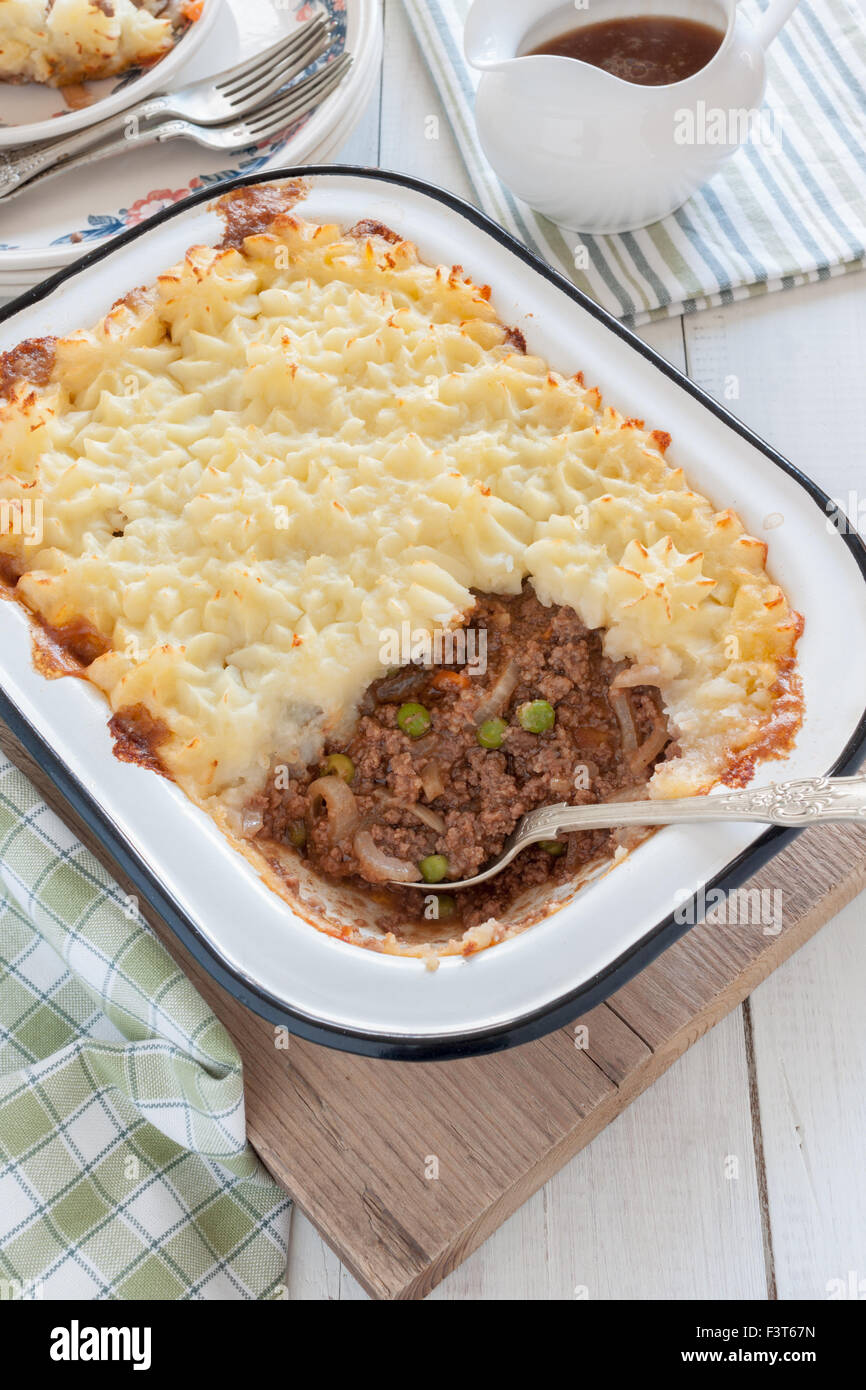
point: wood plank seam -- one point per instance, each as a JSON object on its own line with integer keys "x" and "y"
{"x": 614, "y": 1010}
{"x": 758, "y": 1148}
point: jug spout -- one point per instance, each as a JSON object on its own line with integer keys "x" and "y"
{"x": 494, "y": 30}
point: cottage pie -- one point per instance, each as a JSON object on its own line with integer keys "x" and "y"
{"x": 65, "y": 42}
{"x": 298, "y": 451}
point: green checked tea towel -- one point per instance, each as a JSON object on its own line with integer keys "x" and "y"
{"x": 783, "y": 211}
{"x": 124, "y": 1167}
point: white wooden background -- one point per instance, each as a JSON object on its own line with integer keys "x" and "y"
{"x": 647, "y": 1211}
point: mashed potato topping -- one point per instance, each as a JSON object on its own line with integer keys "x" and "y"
{"x": 255, "y": 470}
{"x": 62, "y": 42}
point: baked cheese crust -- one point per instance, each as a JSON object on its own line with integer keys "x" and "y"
{"x": 284, "y": 450}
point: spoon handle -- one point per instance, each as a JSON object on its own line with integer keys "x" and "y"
{"x": 804, "y": 801}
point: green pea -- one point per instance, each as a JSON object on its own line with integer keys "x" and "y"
{"x": 413, "y": 719}
{"x": 447, "y": 906}
{"x": 490, "y": 733}
{"x": 554, "y": 847}
{"x": 433, "y": 868}
{"x": 340, "y": 764}
{"x": 297, "y": 834}
{"x": 537, "y": 716}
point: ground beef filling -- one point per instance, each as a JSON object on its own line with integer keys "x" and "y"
{"x": 602, "y": 745}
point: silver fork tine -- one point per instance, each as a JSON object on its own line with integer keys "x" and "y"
{"x": 296, "y": 55}
{"x": 279, "y": 112}
{"x": 288, "y": 43}
{"x": 287, "y": 67}
{"x": 252, "y": 66}
{"x": 279, "y": 116}
{"x": 311, "y": 100}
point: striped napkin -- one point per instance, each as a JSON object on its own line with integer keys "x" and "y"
{"x": 780, "y": 213}
{"x": 124, "y": 1167}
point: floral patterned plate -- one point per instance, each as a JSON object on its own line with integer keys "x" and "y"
{"x": 46, "y": 228}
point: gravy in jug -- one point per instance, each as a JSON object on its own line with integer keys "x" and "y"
{"x": 651, "y": 50}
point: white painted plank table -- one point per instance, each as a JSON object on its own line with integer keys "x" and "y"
{"x": 740, "y": 1173}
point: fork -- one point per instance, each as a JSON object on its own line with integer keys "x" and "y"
{"x": 260, "y": 125}
{"x": 214, "y": 100}
{"x": 803, "y": 801}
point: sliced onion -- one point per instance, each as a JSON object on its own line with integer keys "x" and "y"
{"x": 425, "y": 814}
{"x": 377, "y": 866}
{"x": 497, "y": 699}
{"x": 621, "y": 706}
{"x": 251, "y": 822}
{"x": 651, "y": 746}
{"x": 340, "y": 804}
{"x": 431, "y": 780}
{"x": 636, "y": 675}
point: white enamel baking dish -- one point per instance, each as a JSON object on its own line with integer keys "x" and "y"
{"x": 245, "y": 935}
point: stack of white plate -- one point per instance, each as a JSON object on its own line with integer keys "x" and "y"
{"x": 45, "y": 228}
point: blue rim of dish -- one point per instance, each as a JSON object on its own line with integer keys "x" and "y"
{"x": 565, "y": 1009}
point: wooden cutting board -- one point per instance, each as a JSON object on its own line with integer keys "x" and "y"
{"x": 406, "y": 1167}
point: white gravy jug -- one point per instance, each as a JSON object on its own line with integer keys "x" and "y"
{"x": 590, "y": 150}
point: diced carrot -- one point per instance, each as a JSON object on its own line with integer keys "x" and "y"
{"x": 450, "y": 680}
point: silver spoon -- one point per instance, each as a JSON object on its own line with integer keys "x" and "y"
{"x": 805, "y": 801}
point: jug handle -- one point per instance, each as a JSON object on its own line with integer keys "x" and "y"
{"x": 777, "y": 14}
